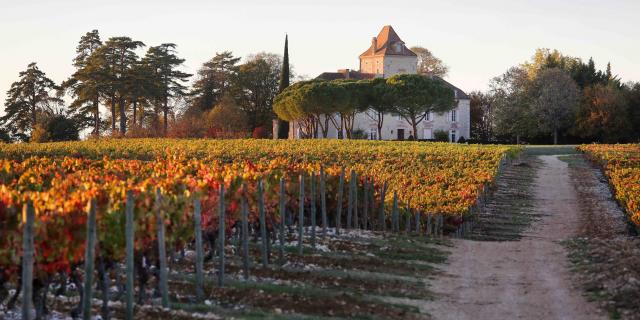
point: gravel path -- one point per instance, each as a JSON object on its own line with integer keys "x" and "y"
{"x": 524, "y": 279}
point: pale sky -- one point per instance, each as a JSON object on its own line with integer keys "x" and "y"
{"x": 476, "y": 39}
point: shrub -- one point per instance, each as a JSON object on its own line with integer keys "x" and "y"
{"x": 39, "y": 134}
{"x": 358, "y": 134}
{"x": 259, "y": 133}
{"x": 61, "y": 128}
{"x": 441, "y": 136}
{"x": 55, "y": 128}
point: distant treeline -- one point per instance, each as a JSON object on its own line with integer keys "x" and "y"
{"x": 556, "y": 98}
{"x": 116, "y": 91}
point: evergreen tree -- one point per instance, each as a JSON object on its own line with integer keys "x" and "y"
{"x": 167, "y": 80}
{"x": 254, "y": 87}
{"x": 283, "y": 126}
{"x": 118, "y": 57}
{"x": 417, "y": 95}
{"x": 29, "y": 97}
{"x": 61, "y": 128}
{"x": 382, "y": 102}
{"x": 84, "y": 84}
{"x": 213, "y": 82}
{"x": 88, "y": 44}
{"x": 140, "y": 90}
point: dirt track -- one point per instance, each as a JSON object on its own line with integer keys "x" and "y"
{"x": 525, "y": 279}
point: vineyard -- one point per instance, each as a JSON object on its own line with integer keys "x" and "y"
{"x": 621, "y": 164}
{"x": 137, "y": 207}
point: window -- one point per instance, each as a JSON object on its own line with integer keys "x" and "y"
{"x": 373, "y": 134}
{"x": 397, "y": 47}
{"x": 454, "y": 115}
{"x": 427, "y": 116}
{"x": 453, "y": 136}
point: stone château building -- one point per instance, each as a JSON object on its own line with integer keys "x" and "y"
{"x": 387, "y": 56}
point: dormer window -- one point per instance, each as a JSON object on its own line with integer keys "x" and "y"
{"x": 397, "y": 47}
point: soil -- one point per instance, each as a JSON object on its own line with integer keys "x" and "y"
{"x": 350, "y": 276}
{"x": 606, "y": 252}
{"x": 528, "y": 278}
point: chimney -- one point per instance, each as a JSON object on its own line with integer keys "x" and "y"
{"x": 345, "y": 72}
{"x": 374, "y": 44}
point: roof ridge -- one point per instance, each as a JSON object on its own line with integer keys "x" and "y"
{"x": 380, "y": 45}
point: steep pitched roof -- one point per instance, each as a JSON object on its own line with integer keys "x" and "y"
{"x": 383, "y": 44}
{"x": 345, "y": 74}
{"x": 459, "y": 94}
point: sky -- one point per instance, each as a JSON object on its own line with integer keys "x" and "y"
{"x": 478, "y": 40}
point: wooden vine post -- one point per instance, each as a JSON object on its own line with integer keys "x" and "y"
{"x": 394, "y": 213}
{"x": 301, "y": 216}
{"x": 407, "y": 221}
{"x": 89, "y": 259}
{"x": 313, "y": 210}
{"x": 197, "y": 218}
{"x": 382, "y": 218}
{"x": 263, "y": 226}
{"x": 339, "y": 202}
{"x": 323, "y": 202}
{"x": 356, "y": 218}
{"x": 350, "y": 196}
{"x": 27, "y": 259}
{"x": 129, "y": 251}
{"x": 365, "y": 204}
{"x": 221, "y": 237}
{"x": 245, "y": 233}
{"x": 282, "y": 218}
{"x": 372, "y": 203}
{"x": 162, "y": 251}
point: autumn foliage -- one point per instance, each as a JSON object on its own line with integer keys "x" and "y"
{"x": 61, "y": 178}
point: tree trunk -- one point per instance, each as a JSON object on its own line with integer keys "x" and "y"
{"x": 283, "y": 129}
{"x": 96, "y": 115}
{"x": 123, "y": 117}
{"x": 165, "y": 108}
{"x": 324, "y": 128}
{"x": 555, "y": 136}
{"x": 380, "y": 122}
{"x": 141, "y": 115}
{"x": 517, "y": 139}
{"x": 113, "y": 114}
{"x": 414, "y": 125}
{"x": 135, "y": 112}
{"x": 33, "y": 116}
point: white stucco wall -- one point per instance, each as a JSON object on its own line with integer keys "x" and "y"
{"x": 387, "y": 66}
{"x": 426, "y": 129}
{"x": 399, "y": 65}
{"x": 372, "y": 64}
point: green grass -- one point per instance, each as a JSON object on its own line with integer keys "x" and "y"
{"x": 573, "y": 160}
{"x": 241, "y": 314}
{"x": 411, "y": 248}
{"x": 545, "y": 150}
